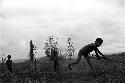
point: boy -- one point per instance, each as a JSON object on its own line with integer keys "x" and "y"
{"x": 85, "y": 52}
{"x": 9, "y": 64}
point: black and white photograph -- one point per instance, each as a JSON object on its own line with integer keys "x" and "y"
{"x": 62, "y": 41}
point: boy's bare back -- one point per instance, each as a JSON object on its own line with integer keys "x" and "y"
{"x": 88, "y": 48}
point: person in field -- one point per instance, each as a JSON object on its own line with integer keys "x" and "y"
{"x": 55, "y": 59}
{"x": 85, "y": 51}
{"x": 9, "y": 63}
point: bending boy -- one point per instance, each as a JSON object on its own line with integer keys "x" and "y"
{"x": 85, "y": 52}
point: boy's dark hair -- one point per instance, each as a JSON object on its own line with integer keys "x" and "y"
{"x": 9, "y": 56}
{"x": 99, "y": 40}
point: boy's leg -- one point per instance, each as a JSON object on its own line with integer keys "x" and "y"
{"x": 76, "y": 62}
{"x": 10, "y": 70}
{"x": 88, "y": 61}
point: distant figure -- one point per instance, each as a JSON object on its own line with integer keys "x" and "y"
{"x": 54, "y": 53}
{"x": 85, "y": 51}
{"x": 9, "y": 63}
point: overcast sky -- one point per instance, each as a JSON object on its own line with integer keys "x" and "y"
{"x": 82, "y": 20}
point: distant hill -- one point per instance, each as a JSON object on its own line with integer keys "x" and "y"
{"x": 19, "y": 60}
{"x": 23, "y": 60}
{"x": 122, "y": 54}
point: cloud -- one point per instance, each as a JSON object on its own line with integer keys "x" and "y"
{"x": 82, "y": 20}
{"x": 120, "y": 3}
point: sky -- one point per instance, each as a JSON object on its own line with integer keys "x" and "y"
{"x": 82, "y": 20}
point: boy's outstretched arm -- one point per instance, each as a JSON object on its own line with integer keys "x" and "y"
{"x": 101, "y": 54}
{"x": 98, "y": 57}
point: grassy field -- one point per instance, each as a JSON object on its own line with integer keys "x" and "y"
{"x": 108, "y": 72}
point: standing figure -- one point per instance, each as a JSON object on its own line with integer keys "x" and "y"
{"x": 9, "y": 64}
{"x": 85, "y": 53}
{"x": 54, "y": 53}
{"x": 51, "y": 50}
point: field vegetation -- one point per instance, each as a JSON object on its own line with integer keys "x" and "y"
{"x": 108, "y": 72}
